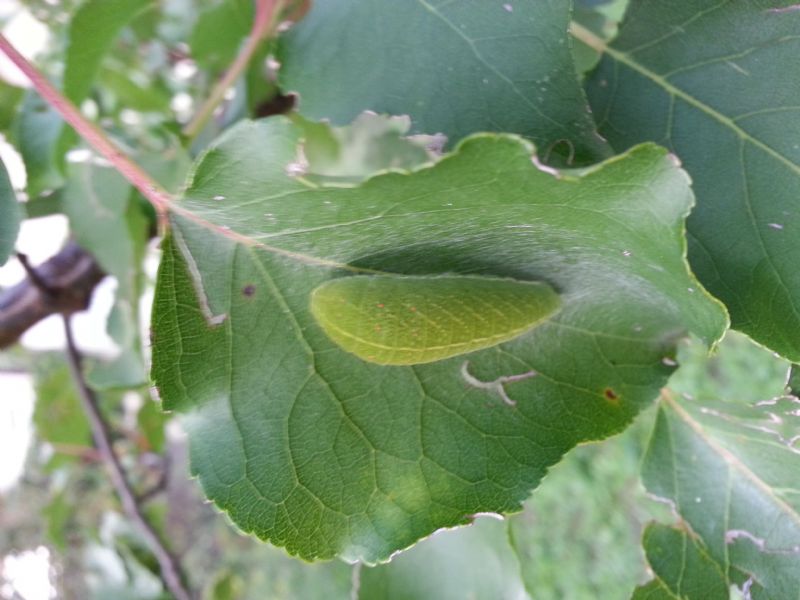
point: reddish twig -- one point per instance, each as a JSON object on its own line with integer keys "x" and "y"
{"x": 171, "y": 573}
{"x": 90, "y": 132}
{"x": 264, "y": 23}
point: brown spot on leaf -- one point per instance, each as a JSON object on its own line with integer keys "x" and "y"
{"x": 610, "y": 394}
{"x": 249, "y": 290}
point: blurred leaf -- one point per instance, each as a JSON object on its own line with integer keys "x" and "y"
{"x": 120, "y": 565}
{"x": 455, "y": 67}
{"x": 36, "y": 132}
{"x": 145, "y": 26}
{"x": 682, "y": 566}
{"x": 57, "y": 515}
{"x": 9, "y": 216}
{"x": 92, "y": 30}
{"x": 127, "y": 370}
{"x": 693, "y": 76}
{"x": 164, "y": 159}
{"x": 108, "y": 219}
{"x": 151, "y": 421}
{"x": 106, "y": 223}
{"x": 473, "y": 562}
{"x": 602, "y": 18}
{"x": 794, "y": 380}
{"x": 584, "y": 548}
{"x": 372, "y": 143}
{"x": 132, "y": 94}
{"x": 739, "y": 372}
{"x": 225, "y": 586}
{"x": 578, "y": 536}
{"x": 259, "y": 79}
{"x": 219, "y": 31}
{"x": 10, "y": 98}
{"x": 43, "y": 205}
{"x": 260, "y": 571}
{"x": 344, "y": 457}
{"x": 731, "y": 470}
{"x": 132, "y": 549}
{"x": 58, "y": 414}
{"x": 114, "y": 575}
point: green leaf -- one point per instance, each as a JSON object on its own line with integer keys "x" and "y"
{"x": 113, "y": 222}
{"x": 682, "y": 565}
{"x": 91, "y": 33}
{"x": 476, "y": 66}
{"x": 587, "y": 547}
{"x": 372, "y": 143}
{"x": 602, "y": 18}
{"x": 108, "y": 224}
{"x": 132, "y": 93}
{"x": 151, "y": 422}
{"x": 308, "y": 446}
{"x": 57, "y": 516}
{"x": 653, "y": 590}
{"x": 219, "y": 32}
{"x": 576, "y": 549}
{"x": 793, "y": 383}
{"x": 730, "y": 469}
{"x": 225, "y": 586}
{"x": 474, "y": 562}
{"x": 717, "y": 83}
{"x": 44, "y": 205}
{"x": 36, "y": 131}
{"x": 9, "y": 215}
{"x": 58, "y": 415}
{"x": 741, "y": 372}
{"x": 263, "y": 571}
{"x": 10, "y": 98}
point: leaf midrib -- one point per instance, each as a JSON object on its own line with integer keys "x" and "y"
{"x": 596, "y": 43}
{"x": 731, "y": 459}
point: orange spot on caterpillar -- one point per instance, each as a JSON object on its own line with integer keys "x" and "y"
{"x": 380, "y": 305}
{"x": 413, "y": 309}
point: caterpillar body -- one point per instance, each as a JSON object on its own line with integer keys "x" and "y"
{"x": 408, "y": 320}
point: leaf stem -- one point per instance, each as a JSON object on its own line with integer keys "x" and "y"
{"x": 263, "y": 25}
{"x": 171, "y": 573}
{"x": 90, "y": 132}
{"x": 581, "y": 33}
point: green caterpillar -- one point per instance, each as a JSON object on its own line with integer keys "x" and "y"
{"x": 409, "y": 320}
